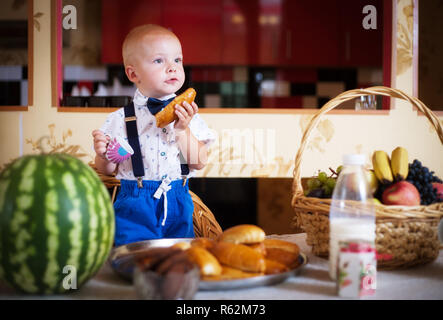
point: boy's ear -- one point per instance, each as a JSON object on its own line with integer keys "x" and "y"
{"x": 131, "y": 74}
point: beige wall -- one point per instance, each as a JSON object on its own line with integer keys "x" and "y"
{"x": 337, "y": 133}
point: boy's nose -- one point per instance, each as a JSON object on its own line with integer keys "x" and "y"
{"x": 171, "y": 68}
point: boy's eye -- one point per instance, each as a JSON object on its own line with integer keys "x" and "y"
{"x": 178, "y": 60}
{"x": 158, "y": 61}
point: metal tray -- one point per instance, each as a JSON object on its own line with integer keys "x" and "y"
{"x": 122, "y": 263}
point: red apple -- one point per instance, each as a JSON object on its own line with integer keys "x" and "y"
{"x": 401, "y": 193}
{"x": 439, "y": 187}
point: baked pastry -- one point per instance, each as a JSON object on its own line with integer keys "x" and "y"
{"x": 282, "y": 256}
{"x": 243, "y": 233}
{"x": 208, "y": 264}
{"x": 239, "y": 256}
{"x": 182, "y": 245}
{"x": 273, "y": 267}
{"x": 259, "y": 247}
{"x": 204, "y": 243}
{"x": 282, "y": 244}
{"x": 167, "y": 115}
{"x": 229, "y": 273}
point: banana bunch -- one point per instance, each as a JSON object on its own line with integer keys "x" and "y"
{"x": 387, "y": 169}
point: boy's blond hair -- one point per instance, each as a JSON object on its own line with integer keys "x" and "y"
{"x": 134, "y": 37}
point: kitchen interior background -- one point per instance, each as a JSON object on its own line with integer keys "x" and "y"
{"x": 251, "y": 67}
{"x": 261, "y": 75}
{"x": 236, "y": 78}
{"x": 237, "y": 54}
{"x": 14, "y": 53}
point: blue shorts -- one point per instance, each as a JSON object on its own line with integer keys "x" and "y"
{"x": 139, "y": 216}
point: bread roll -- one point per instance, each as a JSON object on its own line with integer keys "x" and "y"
{"x": 285, "y": 257}
{"x": 182, "y": 245}
{"x": 239, "y": 256}
{"x": 208, "y": 264}
{"x": 167, "y": 115}
{"x": 229, "y": 273}
{"x": 259, "y": 247}
{"x": 204, "y": 243}
{"x": 244, "y": 233}
{"x": 282, "y": 244}
{"x": 273, "y": 267}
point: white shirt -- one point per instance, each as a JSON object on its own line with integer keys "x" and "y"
{"x": 160, "y": 152}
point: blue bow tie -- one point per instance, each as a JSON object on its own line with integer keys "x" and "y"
{"x": 155, "y": 105}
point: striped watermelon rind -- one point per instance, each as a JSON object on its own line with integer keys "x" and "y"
{"x": 54, "y": 212}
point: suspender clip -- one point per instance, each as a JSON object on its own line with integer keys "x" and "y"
{"x": 140, "y": 182}
{"x": 133, "y": 118}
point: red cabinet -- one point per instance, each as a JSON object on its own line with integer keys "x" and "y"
{"x": 197, "y": 23}
{"x": 118, "y": 18}
{"x": 236, "y": 23}
{"x": 251, "y": 32}
{"x": 358, "y": 46}
{"x": 270, "y": 37}
{"x": 310, "y": 33}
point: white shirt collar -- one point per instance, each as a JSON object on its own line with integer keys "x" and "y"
{"x": 140, "y": 99}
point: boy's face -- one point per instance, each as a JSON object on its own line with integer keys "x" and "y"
{"x": 158, "y": 67}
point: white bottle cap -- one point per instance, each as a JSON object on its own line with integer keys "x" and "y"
{"x": 354, "y": 159}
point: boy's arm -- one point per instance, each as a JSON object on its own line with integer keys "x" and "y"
{"x": 102, "y": 164}
{"x": 194, "y": 151}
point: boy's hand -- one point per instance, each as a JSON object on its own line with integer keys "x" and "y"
{"x": 100, "y": 143}
{"x": 185, "y": 112}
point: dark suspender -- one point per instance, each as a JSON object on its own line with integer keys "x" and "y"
{"x": 132, "y": 132}
{"x": 136, "y": 158}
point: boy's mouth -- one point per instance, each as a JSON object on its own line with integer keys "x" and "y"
{"x": 171, "y": 81}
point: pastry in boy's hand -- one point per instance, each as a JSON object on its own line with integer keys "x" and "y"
{"x": 167, "y": 115}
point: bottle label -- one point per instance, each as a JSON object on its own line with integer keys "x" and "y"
{"x": 357, "y": 269}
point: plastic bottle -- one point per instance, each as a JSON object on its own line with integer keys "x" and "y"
{"x": 348, "y": 222}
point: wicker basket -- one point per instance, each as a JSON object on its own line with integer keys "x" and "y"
{"x": 205, "y": 224}
{"x": 408, "y": 235}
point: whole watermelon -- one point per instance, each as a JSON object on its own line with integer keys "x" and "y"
{"x": 56, "y": 223}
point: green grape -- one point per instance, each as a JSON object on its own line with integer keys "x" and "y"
{"x": 313, "y": 183}
{"x": 327, "y": 190}
{"x": 339, "y": 169}
{"x": 322, "y": 177}
{"x": 310, "y": 183}
{"x": 330, "y": 182}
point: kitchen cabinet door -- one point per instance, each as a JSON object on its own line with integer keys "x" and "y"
{"x": 251, "y": 32}
{"x": 197, "y": 23}
{"x": 269, "y": 32}
{"x": 358, "y": 46}
{"x": 118, "y": 18}
{"x": 310, "y": 33}
{"x": 237, "y": 44}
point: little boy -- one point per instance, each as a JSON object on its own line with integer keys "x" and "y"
{"x": 160, "y": 205}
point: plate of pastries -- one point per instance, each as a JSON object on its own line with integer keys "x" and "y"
{"x": 241, "y": 257}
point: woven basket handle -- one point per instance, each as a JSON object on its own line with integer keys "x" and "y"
{"x": 297, "y": 189}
